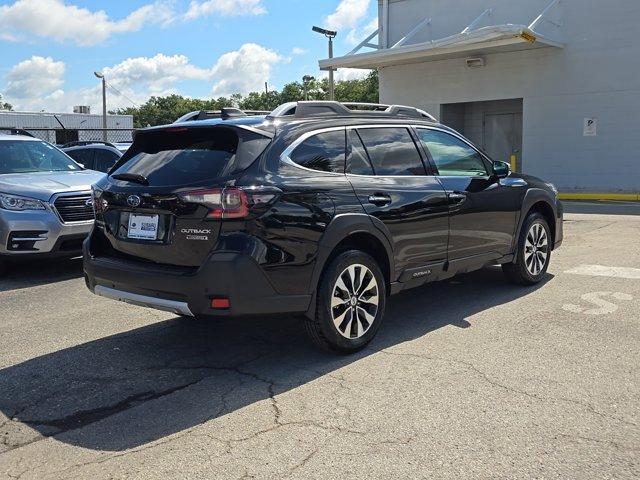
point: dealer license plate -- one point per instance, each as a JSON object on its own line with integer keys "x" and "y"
{"x": 143, "y": 227}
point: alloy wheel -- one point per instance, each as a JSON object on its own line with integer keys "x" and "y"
{"x": 354, "y": 301}
{"x": 536, "y": 249}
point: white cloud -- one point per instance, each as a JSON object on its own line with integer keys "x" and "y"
{"x": 347, "y": 74}
{"x": 154, "y": 74}
{"x": 226, "y": 8}
{"x": 66, "y": 22}
{"x": 358, "y": 34}
{"x": 243, "y": 70}
{"x": 38, "y": 83}
{"x": 348, "y": 14}
{"x": 351, "y": 74}
{"x": 299, "y": 51}
{"x": 9, "y": 37}
{"x": 36, "y": 77}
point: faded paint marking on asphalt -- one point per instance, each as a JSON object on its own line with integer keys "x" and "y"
{"x": 598, "y": 299}
{"x": 603, "y": 271}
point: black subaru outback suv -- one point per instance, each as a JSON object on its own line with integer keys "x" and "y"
{"x": 319, "y": 208}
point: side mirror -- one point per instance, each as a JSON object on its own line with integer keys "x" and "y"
{"x": 501, "y": 169}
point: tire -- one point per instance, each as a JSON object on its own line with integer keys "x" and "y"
{"x": 333, "y": 328}
{"x": 533, "y": 252}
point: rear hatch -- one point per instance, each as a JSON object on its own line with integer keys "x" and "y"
{"x": 166, "y": 198}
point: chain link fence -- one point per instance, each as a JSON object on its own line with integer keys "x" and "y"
{"x": 60, "y": 136}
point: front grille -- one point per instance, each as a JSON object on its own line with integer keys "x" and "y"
{"x": 74, "y": 208}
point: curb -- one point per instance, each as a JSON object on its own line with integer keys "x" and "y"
{"x": 627, "y": 197}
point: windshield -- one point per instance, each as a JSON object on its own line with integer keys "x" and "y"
{"x": 20, "y": 156}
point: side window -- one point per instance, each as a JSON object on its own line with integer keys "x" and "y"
{"x": 324, "y": 152}
{"x": 357, "y": 158}
{"x": 105, "y": 159}
{"x": 392, "y": 151}
{"x": 452, "y": 156}
{"x": 84, "y": 156}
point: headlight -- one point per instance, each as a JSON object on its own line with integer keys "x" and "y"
{"x": 16, "y": 203}
{"x": 553, "y": 188}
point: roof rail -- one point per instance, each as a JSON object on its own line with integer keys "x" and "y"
{"x": 378, "y": 107}
{"x": 20, "y": 131}
{"x": 330, "y": 108}
{"x": 82, "y": 143}
{"x": 225, "y": 114}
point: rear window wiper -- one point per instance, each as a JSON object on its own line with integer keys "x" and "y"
{"x": 131, "y": 177}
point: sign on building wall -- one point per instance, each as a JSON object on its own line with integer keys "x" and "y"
{"x": 590, "y": 127}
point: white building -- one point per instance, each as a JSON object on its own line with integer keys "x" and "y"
{"x": 550, "y": 85}
{"x": 60, "y": 128}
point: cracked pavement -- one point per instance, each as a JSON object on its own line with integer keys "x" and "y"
{"x": 471, "y": 378}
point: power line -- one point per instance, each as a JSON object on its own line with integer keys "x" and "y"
{"x": 122, "y": 94}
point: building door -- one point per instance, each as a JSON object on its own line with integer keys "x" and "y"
{"x": 502, "y": 138}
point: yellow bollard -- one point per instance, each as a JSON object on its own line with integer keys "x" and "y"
{"x": 513, "y": 162}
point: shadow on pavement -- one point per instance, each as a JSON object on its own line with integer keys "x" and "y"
{"x": 30, "y": 273}
{"x": 130, "y": 389}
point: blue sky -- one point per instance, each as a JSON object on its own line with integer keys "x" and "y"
{"x": 198, "y": 48}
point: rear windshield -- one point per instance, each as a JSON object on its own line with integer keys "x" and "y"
{"x": 183, "y": 156}
{"x": 26, "y": 156}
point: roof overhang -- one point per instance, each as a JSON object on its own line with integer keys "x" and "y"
{"x": 486, "y": 40}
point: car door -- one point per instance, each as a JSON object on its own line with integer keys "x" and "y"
{"x": 482, "y": 206}
{"x": 84, "y": 156}
{"x": 105, "y": 159}
{"x": 389, "y": 177}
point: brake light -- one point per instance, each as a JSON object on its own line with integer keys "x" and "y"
{"x": 223, "y": 203}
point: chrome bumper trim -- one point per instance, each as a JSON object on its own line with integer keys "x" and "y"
{"x": 180, "y": 308}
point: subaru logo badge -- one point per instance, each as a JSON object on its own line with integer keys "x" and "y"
{"x": 133, "y": 200}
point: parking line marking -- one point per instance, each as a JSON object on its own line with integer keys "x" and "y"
{"x": 603, "y": 271}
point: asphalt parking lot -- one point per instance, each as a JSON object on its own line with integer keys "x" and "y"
{"x": 472, "y": 378}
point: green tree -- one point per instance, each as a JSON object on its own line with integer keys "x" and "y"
{"x": 365, "y": 90}
{"x": 164, "y": 110}
{"x": 5, "y": 105}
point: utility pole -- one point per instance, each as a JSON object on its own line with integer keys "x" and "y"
{"x": 330, "y": 34}
{"x": 332, "y": 91}
{"x": 266, "y": 88}
{"x": 104, "y": 105}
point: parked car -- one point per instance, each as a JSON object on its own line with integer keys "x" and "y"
{"x": 316, "y": 209}
{"x": 99, "y": 156}
{"x": 45, "y": 200}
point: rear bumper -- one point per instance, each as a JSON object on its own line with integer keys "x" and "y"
{"x": 235, "y": 277}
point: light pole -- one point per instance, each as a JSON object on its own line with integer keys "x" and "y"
{"x": 104, "y": 105}
{"x": 330, "y": 34}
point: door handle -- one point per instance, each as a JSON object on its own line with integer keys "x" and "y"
{"x": 456, "y": 197}
{"x": 380, "y": 199}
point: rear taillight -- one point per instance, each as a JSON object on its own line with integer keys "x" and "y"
{"x": 227, "y": 202}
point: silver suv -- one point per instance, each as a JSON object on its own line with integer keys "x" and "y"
{"x": 45, "y": 200}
